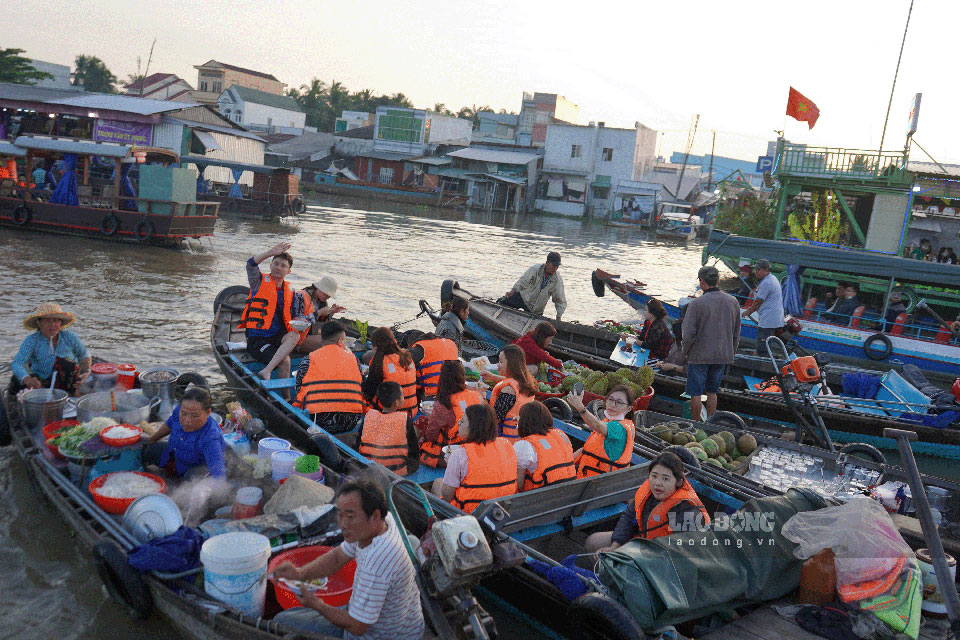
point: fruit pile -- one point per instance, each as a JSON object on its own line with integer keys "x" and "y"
{"x": 720, "y": 449}
{"x": 600, "y": 382}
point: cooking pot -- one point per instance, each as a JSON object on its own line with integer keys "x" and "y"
{"x": 132, "y": 407}
{"x": 43, "y": 406}
{"x": 162, "y": 388}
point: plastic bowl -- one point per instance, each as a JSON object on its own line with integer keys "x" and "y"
{"x": 53, "y": 448}
{"x": 52, "y": 428}
{"x": 299, "y": 325}
{"x": 118, "y": 506}
{"x": 339, "y": 586}
{"x": 121, "y": 442}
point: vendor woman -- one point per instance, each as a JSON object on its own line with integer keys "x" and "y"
{"x": 50, "y": 348}
{"x": 196, "y": 444}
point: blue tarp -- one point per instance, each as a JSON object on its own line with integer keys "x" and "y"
{"x": 126, "y": 188}
{"x": 235, "y": 191}
{"x": 177, "y": 552}
{"x": 860, "y": 385}
{"x": 201, "y": 183}
{"x": 66, "y": 191}
{"x": 792, "y": 303}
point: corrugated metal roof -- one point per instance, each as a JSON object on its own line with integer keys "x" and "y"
{"x": 386, "y": 155}
{"x": 251, "y": 72}
{"x": 486, "y": 155}
{"x": 932, "y": 169}
{"x": 563, "y": 172}
{"x": 263, "y": 97}
{"x": 508, "y": 180}
{"x": 203, "y": 126}
{"x": 129, "y": 104}
{"x": 73, "y": 145}
{"x": 431, "y": 160}
{"x": 229, "y": 164}
{"x": 28, "y": 93}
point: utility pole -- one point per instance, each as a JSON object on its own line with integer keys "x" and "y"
{"x": 686, "y": 156}
{"x": 895, "y": 74}
{"x": 710, "y": 171}
{"x": 146, "y": 71}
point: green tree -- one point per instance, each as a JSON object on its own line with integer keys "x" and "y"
{"x": 92, "y": 74}
{"x": 16, "y": 69}
{"x": 749, "y": 215}
{"x": 439, "y": 107}
{"x": 823, "y": 223}
{"x": 472, "y": 113}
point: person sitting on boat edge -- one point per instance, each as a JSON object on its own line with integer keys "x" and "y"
{"x": 610, "y": 446}
{"x": 50, "y": 348}
{"x": 675, "y": 361}
{"x": 268, "y": 312}
{"x": 451, "y": 324}
{"x": 665, "y": 503}
{"x": 390, "y": 363}
{"x": 387, "y": 435}
{"x": 544, "y": 453}
{"x": 655, "y": 336}
{"x": 385, "y": 600}
{"x": 515, "y": 390}
{"x": 195, "y": 446}
{"x": 452, "y": 399}
{"x": 312, "y": 304}
{"x": 536, "y": 286}
{"x": 484, "y": 467}
{"x": 328, "y": 382}
{"x": 429, "y": 352}
{"x": 535, "y": 345}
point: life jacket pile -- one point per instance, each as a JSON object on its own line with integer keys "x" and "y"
{"x": 384, "y": 439}
{"x": 262, "y": 305}
{"x": 431, "y": 452}
{"x": 554, "y": 460}
{"x": 593, "y": 460}
{"x": 658, "y": 522}
{"x": 491, "y": 473}
{"x": 405, "y": 377}
{"x": 435, "y": 352}
{"x": 331, "y": 383}
{"x": 508, "y": 428}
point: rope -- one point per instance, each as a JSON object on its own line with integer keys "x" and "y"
{"x": 414, "y": 318}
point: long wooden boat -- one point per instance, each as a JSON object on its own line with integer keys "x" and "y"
{"x": 114, "y": 217}
{"x": 275, "y": 192}
{"x": 590, "y": 346}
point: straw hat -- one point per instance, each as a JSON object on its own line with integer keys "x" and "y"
{"x": 48, "y": 310}
{"x": 327, "y": 285}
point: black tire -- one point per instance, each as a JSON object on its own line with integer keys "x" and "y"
{"x": 446, "y": 291}
{"x": 596, "y": 408}
{"x": 594, "y": 615}
{"x": 189, "y": 378}
{"x": 599, "y": 289}
{"x": 909, "y": 296}
{"x": 869, "y": 451}
{"x": 22, "y": 215}
{"x": 125, "y": 585}
{"x": 144, "y": 231}
{"x": 298, "y": 206}
{"x": 109, "y": 225}
{"x": 559, "y": 409}
{"x": 872, "y": 353}
{"x": 228, "y": 293}
{"x": 728, "y": 419}
{"x": 686, "y": 456}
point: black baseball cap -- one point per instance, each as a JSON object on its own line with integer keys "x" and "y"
{"x": 553, "y": 258}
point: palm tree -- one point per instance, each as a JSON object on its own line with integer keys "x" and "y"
{"x": 439, "y": 107}
{"x": 472, "y": 113}
{"x": 363, "y": 101}
{"x": 400, "y": 100}
{"x": 93, "y": 75}
{"x": 133, "y": 78}
{"x": 312, "y": 98}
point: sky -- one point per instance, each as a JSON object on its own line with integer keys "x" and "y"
{"x": 659, "y": 63}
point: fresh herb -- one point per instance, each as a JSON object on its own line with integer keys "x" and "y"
{"x": 362, "y": 328}
{"x": 69, "y": 441}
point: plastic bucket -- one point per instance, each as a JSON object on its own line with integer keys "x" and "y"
{"x": 247, "y": 503}
{"x": 267, "y": 446}
{"x": 932, "y": 604}
{"x": 42, "y": 406}
{"x": 234, "y": 570}
{"x": 104, "y": 376}
{"x": 126, "y": 376}
{"x": 282, "y": 463}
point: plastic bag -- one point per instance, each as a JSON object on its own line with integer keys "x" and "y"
{"x": 864, "y": 539}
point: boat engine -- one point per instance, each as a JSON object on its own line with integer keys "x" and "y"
{"x": 460, "y": 554}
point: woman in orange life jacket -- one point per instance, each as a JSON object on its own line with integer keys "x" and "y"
{"x": 452, "y": 399}
{"x": 484, "y": 467}
{"x": 391, "y": 363}
{"x": 515, "y": 390}
{"x": 610, "y": 446}
{"x": 387, "y": 435}
{"x": 544, "y": 454}
{"x": 665, "y": 503}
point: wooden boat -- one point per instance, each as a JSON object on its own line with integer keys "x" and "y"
{"x": 111, "y": 215}
{"x": 848, "y": 421}
{"x": 673, "y": 221}
{"x": 275, "y": 192}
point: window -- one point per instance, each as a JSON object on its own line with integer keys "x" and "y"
{"x": 607, "y": 154}
{"x": 216, "y": 87}
{"x": 601, "y": 193}
{"x": 203, "y": 85}
{"x": 386, "y": 175}
{"x": 576, "y": 151}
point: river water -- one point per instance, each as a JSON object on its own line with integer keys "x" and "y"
{"x": 153, "y": 306}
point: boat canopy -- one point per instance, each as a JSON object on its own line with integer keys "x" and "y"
{"x": 73, "y": 145}
{"x": 229, "y": 164}
{"x": 10, "y": 149}
{"x": 850, "y": 261}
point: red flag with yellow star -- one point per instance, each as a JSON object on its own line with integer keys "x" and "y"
{"x": 802, "y": 108}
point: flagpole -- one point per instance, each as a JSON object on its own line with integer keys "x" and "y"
{"x": 895, "y": 74}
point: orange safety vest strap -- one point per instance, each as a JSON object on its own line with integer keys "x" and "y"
{"x": 593, "y": 458}
{"x": 554, "y": 462}
{"x": 508, "y": 427}
{"x": 659, "y": 516}
{"x": 384, "y": 440}
{"x": 261, "y": 307}
{"x": 491, "y": 473}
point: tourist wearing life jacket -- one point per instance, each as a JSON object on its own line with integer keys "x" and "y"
{"x": 388, "y": 436}
{"x": 544, "y": 454}
{"x": 452, "y": 401}
{"x": 430, "y": 352}
{"x": 664, "y": 504}
{"x": 268, "y": 312}
{"x": 515, "y": 390}
{"x": 484, "y": 467}
{"x": 391, "y": 363}
{"x": 328, "y": 382}
{"x": 312, "y": 305}
{"x": 610, "y": 446}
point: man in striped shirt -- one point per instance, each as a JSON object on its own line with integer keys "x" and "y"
{"x": 383, "y": 568}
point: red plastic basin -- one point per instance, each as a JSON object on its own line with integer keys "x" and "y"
{"x": 119, "y": 505}
{"x": 339, "y": 585}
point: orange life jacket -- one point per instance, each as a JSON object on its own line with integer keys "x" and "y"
{"x": 384, "y": 439}
{"x": 431, "y": 451}
{"x": 435, "y": 352}
{"x": 332, "y": 382}
{"x": 554, "y": 460}
{"x": 406, "y": 378}
{"x": 307, "y": 311}
{"x": 768, "y": 386}
{"x": 658, "y": 523}
{"x": 508, "y": 428}
{"x": 491, "y": 473}
{"x": 593, "y": 460}
{"x": 258, "y": 313}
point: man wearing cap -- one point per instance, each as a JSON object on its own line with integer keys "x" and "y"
{"x": 537, "y": 286}
{"x": 311, "y": 303}
{"x": 711, "y": 333}
{"x": 767, "y": 303}
{"x": 48, "y": 350}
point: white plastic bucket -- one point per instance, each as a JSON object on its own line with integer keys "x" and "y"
{"x": 932, "y": 604}
{"x": 235, "y": 568}
{"x": 249, "y": 495}
{"x": 267, "y": 446}
{"x": 283, "y": 463}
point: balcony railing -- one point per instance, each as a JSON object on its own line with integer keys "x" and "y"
{"x": 846, "y": 164}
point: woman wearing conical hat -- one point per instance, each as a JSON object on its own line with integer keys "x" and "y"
{"x": 50, "y": 348}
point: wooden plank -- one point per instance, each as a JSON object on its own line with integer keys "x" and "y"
{"x": 909, "y": 528}
{"x": 762, "y": 624}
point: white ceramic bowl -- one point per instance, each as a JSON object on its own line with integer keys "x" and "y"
{"x": 300, "y": 325}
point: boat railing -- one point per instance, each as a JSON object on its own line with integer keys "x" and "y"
{"x": 834, "y": 162}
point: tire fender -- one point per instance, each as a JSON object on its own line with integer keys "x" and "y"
{"x": 189, "y": 378}
{"x": 109, "y": 224}
{"x": 125, "y": 584}
{"x": 596, "y": 408}
{"x": 144, "y": 230}
{"x": 686, "y": 456}
{"x": 727, "y": 419}
{"x": 22, "y": 215}
{"x": 298, "y": 206}
{"x": 869, "y": 450}
{"x": 599, "y": 289}
{"x": 910, "y": 297}
{"x": 446, "y": 291}
{"x": 597, "y": 615}
{"x": 559, "y": 409}
{"x": 872, "y": 353}
{"x": 227, "y": 293}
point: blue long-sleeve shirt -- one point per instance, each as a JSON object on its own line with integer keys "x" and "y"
{"x": 36, "y": 354}
{"x": 276, "y": 325}
{"x": 193, "y": 448}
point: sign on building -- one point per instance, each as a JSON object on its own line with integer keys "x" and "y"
{"x": 764, "y": 164}
{"x": 122, "y": 132}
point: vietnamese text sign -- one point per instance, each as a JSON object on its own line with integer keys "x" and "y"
{"x": 122, "y": 132}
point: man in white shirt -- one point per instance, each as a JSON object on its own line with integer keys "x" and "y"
{"x": 385, "y": 602}
{"x": 537, "y": 286}
{"x": 767, "y": 303}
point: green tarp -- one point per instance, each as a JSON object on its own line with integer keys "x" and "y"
{"x": 693, "y": 574}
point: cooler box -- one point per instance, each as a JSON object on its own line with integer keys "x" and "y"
{"x": 171, "y": 184}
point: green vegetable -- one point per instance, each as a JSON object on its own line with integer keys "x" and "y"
{"x": 362, "y": 328}
{"x": 69, "y": 441}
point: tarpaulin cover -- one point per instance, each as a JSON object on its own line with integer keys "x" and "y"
{"x": 693, "y": 574}
{"x": 792, "y": 304}
{"x": 179, "y": 551}
{"x": 860, "y": 385}
{"x": 66, "y": 191}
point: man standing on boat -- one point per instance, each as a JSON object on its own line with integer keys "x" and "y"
{"x": 536, "y": 286}
{"x": 711, "y": 333}
{"x": 767, "y": 303}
